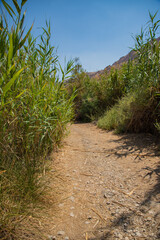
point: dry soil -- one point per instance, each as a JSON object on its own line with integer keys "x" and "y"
{"x": 105, "y": 186}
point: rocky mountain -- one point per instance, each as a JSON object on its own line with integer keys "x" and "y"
{"x": 116, "y": 64}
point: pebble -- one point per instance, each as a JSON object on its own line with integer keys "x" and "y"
{"x": 105, "y": 195}
{"x": 66, "y": 238}
{"x": 138, "y": 234}
{"x": 151, "y": 235}
{"x": 61, "y": 205}
{"x": 151, "y": 212}
{"x": 87, "y": 222}
{"x": 133, "y": 234}
{"x": 51, "y": 237}
{"x": 72, "y": 198}
{"x": 60, "y": 233}
{"x": 120, "y": 236}
{"x": 72, "y": 214}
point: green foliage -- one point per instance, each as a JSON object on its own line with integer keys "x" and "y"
{"x": 128, "y": 94}
{"x": 94, "y": 96}
{"x": 34, "y": 111}
{"x": 117, "y": 116}
{"x": 135, "y": 112}
{"x": 139, "y": 110}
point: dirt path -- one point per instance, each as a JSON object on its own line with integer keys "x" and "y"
{"x": 109, "y": 187}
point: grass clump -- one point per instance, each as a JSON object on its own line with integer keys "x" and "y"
{"x": 135, "y": 112}
{"x": 117, "y": 116}
{"x": 34, "y": 111}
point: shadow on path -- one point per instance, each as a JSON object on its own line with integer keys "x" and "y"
{"x": 138, "y": 145}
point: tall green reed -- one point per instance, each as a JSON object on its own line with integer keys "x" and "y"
{"x": 142, "y": 87}
{"x": 34, "y": 110}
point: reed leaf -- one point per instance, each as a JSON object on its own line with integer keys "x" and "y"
{"x": 8, "y": 86}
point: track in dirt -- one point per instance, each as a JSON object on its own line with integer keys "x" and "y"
{"x": 109, "y": 186}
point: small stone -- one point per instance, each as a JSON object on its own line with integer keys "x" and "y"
{"x": 60, "y": 233}
{"x": 87, "y": 222}
{"x": 89, "y": 217}
{"x": 61, "y": 205}
{"x": 151, "y": 212}
{"x": 117, "y": 210}
{"x": 138, "y": 234}
{"x": 51, "y": 237}
{"x": 72, "y": 214}
{"x": 105, "y": 195}
{"x": 66, "y": 238}
{"x": 120, "y": 236}
{"x": 132, "y": 234}
{"x": 72, "y": 198}
{"x": 151, "y": 235}
{"x": 126, "y": 238}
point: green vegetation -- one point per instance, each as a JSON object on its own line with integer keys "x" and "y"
{"x": 128, "y": 95}
{"x": 36, "y": 105}
{"x": 139, "y": 110}
{"x": 94, "y": 96}
{"x": 34, "y": 111}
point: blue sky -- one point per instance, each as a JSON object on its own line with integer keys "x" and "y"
{"x": 99, "y": 32}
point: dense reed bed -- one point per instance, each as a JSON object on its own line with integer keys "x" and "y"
{"x": 34, "y": 111}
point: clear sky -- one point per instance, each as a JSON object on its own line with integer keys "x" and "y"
{"x": 99, "y": 32}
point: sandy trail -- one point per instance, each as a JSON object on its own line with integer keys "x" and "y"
{"x": 109, "y": 187}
